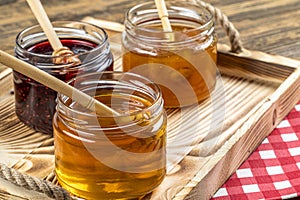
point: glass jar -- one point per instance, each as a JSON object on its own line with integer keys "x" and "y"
{"x": 183, "y": 62}
{"x": 111, "y": 157}
{"x": 34, "y": 102}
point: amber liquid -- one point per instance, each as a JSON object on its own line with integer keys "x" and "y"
{"x": 189, "y": 76}
{"x": 84, "y": 175}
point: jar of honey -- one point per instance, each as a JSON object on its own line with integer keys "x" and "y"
{"x": 111, "y": 157}
{"x": 34, "y": 102}
{"x": 181, "y": 62}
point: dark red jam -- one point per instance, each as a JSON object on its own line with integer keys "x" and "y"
{"x": 35, "y": 103}
{"x": 76, "y": 46}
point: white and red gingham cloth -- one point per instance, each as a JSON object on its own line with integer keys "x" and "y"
{"x": 273, "y": 169}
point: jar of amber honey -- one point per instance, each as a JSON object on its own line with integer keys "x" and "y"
{"x": 182, "y": 62}
{"x": 111, "y": 157}
{"x": 34, "y": 102}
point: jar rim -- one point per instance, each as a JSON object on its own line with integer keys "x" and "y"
{"x": 157, "y": 97}
{"x": 61, "y": 23}
{"x": 171, "y": 4}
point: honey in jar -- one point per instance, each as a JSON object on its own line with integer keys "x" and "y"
{"x": 183, "y": 62}
{"x": 34, "y": 102}
{"x": 111, "y": 157}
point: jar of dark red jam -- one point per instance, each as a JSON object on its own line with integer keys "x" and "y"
{"x": 34, "y": 102}
{"x": 111, "y": 157}
{"x": 182, "y": 62}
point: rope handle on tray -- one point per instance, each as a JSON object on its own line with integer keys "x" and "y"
{"x": 33, "y": 183}
{"x": 222, "y": 19}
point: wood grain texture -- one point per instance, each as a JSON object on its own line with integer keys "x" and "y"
{"x": 243, "y": 110}
{"x": 264, "y": 25}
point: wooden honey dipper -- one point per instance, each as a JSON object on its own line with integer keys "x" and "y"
{"x": 62, "y": 55}
{"x": 164, "y": 17}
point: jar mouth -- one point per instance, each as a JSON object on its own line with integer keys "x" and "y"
{"x": 124, "y": 83}
{"x": 74, "y": 29}
{"x": 195, "y": 17}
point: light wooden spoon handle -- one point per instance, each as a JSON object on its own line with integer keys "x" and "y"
{"x": 163, "y": 15}
{"x": 56, "y": 84}
{"x": 41, "y": 16}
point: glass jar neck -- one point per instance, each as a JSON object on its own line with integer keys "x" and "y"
{"x": 190, "y": 23}
{"x": 131, "y": 87}
{"x": 66, "y": 30}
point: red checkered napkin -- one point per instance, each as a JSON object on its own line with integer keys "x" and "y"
{"x": 273, "y": 170}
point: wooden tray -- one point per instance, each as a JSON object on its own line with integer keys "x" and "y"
{"x": 255, "y": 92}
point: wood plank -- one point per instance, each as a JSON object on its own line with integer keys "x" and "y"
{"x": 264, "y": 25}
{"x": 240, "y": 146}
{"x": 6, "y": 83}
{"x": 245, "y": 123}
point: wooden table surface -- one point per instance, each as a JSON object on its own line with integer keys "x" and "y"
{"x": 270, "y": 26}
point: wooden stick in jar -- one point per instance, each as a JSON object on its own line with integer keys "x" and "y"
{"x": 56, "y": 84}
{"x": 163, "y": 15}
{"x": 44, "y": 21}
{"x": 42, "y": 18}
